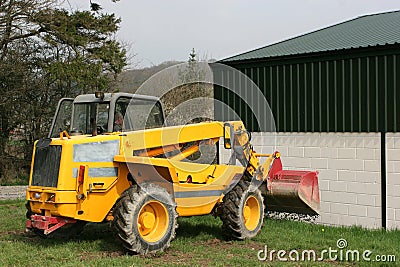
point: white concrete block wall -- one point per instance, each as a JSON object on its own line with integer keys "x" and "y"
{"x": 349, "y": 172}
{"x": 349, "y": 183}
{"x": 393, "y": 180}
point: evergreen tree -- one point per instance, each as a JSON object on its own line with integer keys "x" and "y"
{"x": 47, "y": 53}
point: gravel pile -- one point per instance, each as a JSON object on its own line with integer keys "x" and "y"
{"x": 291, "y": 216}
{"x": 12, "y": 192}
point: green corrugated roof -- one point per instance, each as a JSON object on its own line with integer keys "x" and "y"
{"x": 369, "y": 30}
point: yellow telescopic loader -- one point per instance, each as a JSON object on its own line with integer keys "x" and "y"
{"x": 140, "y": 174}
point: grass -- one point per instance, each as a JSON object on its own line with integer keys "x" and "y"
{"x": 199, "y": 242}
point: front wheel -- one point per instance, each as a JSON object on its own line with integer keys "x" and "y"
{"x": 242, "y": 212}
{"x": 145, "y": 219}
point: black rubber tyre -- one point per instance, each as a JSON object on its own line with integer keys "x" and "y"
{"x": 145, "y": 219}
{"x": 28, "y": 213}
{"x": 242, "y": 212}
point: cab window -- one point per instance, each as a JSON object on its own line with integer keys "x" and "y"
{"x": 137, "y": 114}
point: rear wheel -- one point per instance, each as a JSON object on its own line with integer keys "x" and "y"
{"x": 145, "y": 219}
{"x": 242, "y": 212}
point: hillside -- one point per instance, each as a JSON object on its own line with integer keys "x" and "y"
{"x": 130, "y": 80}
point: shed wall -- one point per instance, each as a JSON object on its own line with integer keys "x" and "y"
{"x": 348, "y": 92}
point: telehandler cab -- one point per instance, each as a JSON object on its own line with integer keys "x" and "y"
{"x": 141, "y": 178}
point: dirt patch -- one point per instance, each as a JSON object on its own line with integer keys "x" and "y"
{"x": 173, "y": 257}
{"x": 14, "y": 233}
{"x": 99, "y": 255}
{"x": 222, "y": 244}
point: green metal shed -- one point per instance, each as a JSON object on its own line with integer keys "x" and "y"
{"x": 343, "y": 78}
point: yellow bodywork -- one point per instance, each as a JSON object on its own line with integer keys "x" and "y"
{"x": 110, "y": 160}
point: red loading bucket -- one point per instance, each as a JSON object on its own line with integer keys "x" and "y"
{"x": 294, "y": 192}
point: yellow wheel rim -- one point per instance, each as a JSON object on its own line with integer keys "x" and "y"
{"x": 153, "y": 221}
{"x": 251, "y": 213}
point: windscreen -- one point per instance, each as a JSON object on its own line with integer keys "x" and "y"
{"x": 85, "y": 114}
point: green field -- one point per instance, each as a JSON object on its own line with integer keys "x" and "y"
{"x": 199, "y": 242}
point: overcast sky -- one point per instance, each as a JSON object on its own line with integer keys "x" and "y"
{"x": 162, "y": 30}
